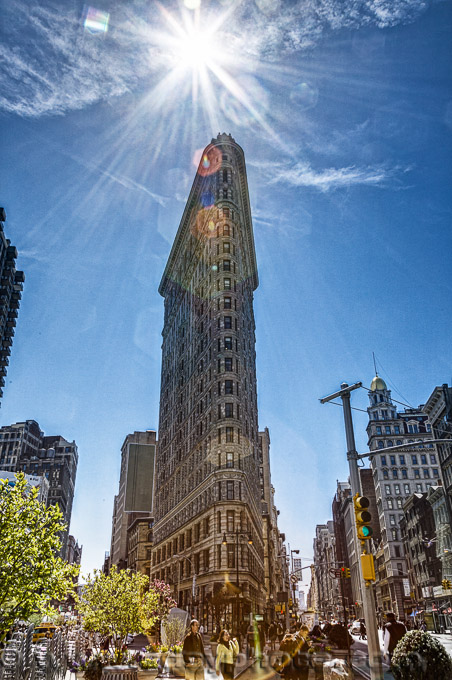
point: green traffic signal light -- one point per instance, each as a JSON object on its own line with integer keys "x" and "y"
{"x": 362, "y": 517}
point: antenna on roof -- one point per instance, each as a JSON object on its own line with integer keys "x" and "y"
{"x": 375, "y": 364}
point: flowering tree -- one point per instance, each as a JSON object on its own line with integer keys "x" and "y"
{"x": 165, "y": 600}
{"x": 117, "y": 604}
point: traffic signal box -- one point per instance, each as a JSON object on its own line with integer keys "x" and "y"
{"x": 345, "y": 572}
{"x": 362, "y": 517}
{"x": 447, "y": 585}
{"x": 368, "y": 567}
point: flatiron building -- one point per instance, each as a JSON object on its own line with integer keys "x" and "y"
{"x": 208, "y": 497}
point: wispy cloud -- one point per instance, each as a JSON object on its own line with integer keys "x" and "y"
{"x": 52, "y": 66}
{"x": 301, "y": 174}
{"x": 129, "y": 183}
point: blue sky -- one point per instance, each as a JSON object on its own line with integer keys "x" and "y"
{"x": 344, "y": 111}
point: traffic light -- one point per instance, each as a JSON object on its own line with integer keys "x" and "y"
{"x": 446, "y": 584}
{"x": 362, "y": 517}
{"x": 345, "y": 572}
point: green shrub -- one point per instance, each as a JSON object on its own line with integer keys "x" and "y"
{"x": 419, "y": 656}
{"x": 147, "y": 664}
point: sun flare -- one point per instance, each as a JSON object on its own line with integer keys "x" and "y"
{"x": 204, "y": 66}
{"x": 195, "y": 49}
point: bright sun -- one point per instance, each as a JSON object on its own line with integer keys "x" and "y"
{"x": 195, "y": 49}
{"x": 201, "y": 62}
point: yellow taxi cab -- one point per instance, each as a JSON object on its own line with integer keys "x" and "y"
{"x": 44, "y": 630}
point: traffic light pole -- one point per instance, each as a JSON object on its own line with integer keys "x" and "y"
{"x": 367, "y": 594}
{"x": 345, "y": 621}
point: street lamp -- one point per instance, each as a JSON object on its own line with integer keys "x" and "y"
{"x": 193, "y": 588}
{"x": 237, "y": 533}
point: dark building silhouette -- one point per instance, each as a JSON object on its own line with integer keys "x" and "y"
{"x": 11, "y": 285}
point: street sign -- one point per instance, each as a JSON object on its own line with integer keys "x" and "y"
{"x": 294, "y": 578}
{"x": 335, "y": 572}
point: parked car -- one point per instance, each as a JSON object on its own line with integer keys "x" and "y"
{"x": 355, "y": 627}
{"x": 44, "y": 630}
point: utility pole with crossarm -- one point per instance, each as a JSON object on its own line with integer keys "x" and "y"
{"x": 373, "y": 642}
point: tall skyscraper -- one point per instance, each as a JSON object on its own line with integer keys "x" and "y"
{"x": 208, "y": 492}
{"x": 11, "y": 284}
{"x": 136, "y": 493}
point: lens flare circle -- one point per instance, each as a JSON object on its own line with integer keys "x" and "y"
{"x": 304, "y": 96}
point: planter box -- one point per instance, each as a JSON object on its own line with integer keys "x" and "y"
{"x": 119, "y": 673}
{"x": 148, "y": 674}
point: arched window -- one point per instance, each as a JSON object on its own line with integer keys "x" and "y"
{"x": 381, "y": 444}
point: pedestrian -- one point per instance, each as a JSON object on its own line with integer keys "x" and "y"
{"x": 201, "y": 629}
{"x": 362, "y": 630}
{"x": 250, "y": 640}
{"x": 193, "y": 653}
{"x": 261, "y": 633}
{"x": 393, "y": 632}
{"x": 287, "y": 647}
{"x": 280, "y": 631}
{"x": 272, "y": 631}
{"x": 227, "y": 651}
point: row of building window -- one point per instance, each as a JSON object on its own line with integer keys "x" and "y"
{"x": 414, "y": 459}
{"x": 396, "y": 491}
{"x": 416, "y": 471}
{"x": 384, "y": 415}
{"x": 399, "y": 442}
{"x": 201, "y": 562}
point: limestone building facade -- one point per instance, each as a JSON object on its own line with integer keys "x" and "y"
{"x": 275, "y": 556}
{"x": 327, "y": 591}
{"x": 397, "y": 475}
{"x": 208, "y": 492}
